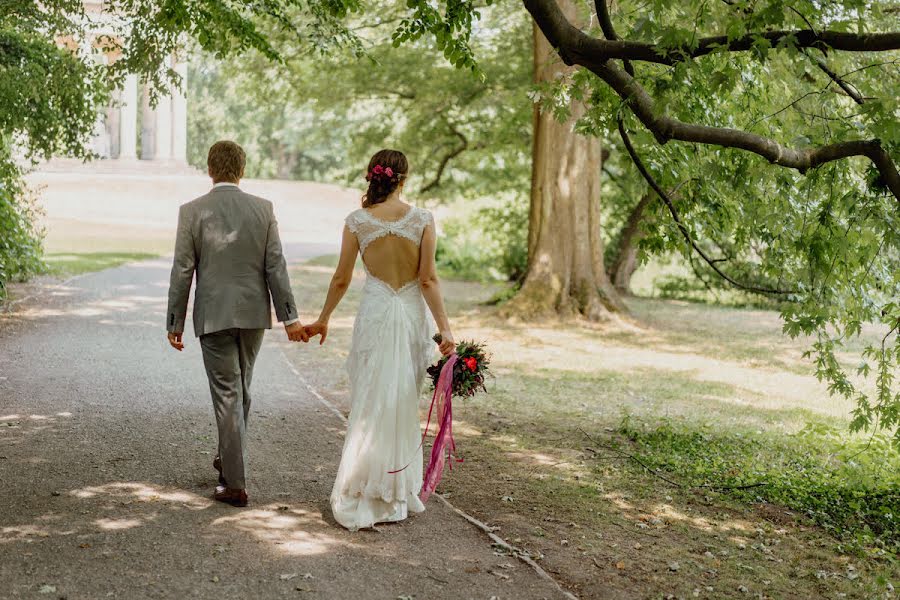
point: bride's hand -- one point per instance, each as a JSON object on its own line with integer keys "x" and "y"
{"x": 318, "y": 328}
{"x": 447, "y": 345}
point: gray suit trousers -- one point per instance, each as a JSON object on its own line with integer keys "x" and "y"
{"x": 229, "y": 356}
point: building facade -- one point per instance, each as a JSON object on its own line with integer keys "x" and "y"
{"x": 131, "y": 129}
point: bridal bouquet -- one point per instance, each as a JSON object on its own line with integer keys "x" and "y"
{"x": 469, "y": 368}
{"x": 461, "y": 374}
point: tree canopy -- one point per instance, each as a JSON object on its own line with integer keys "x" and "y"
{"x": 777, "y": 126}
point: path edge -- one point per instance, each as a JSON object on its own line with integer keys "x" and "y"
{"x": 520, "y": 554}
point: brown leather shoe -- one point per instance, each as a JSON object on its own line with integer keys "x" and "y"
{"x": 234, "y": 497}
{"x": 217, "y": 465}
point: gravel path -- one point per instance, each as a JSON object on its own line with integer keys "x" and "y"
{"x": 105, "y": 465}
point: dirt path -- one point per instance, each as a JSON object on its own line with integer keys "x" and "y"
{"x": 105, "y": 450}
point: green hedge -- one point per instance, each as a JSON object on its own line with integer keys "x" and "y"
{"x": 21, "y": 237}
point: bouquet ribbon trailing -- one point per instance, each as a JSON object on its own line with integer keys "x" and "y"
{"x": 443, "y": 448}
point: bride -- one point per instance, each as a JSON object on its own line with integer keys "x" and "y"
{"x": 380, "y": 474}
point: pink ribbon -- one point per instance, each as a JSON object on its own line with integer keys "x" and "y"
{"x": 444, "y": 445}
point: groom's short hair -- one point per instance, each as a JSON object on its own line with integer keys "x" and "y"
{"x": 226, "y": 161}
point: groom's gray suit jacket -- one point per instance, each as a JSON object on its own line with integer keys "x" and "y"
{"x": 230, "y": 239}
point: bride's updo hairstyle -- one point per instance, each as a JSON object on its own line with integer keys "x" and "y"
{"x": 387, "y": 169}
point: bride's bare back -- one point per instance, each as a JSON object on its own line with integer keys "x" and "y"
{"x": 390, "y": 241}
{"x": 394, "y": 260}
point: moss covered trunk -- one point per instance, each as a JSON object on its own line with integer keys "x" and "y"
{"x": 565, "y": 274}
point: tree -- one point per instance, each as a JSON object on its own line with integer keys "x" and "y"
{"x": 625, "y": 256}
{"x": 779, "y": 130}
{"x": 52, "y": 88}
{"x": 566, "y": 272}
{"x": 465, "y": 136}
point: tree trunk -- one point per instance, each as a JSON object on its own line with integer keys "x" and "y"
{"x": 565, "y": 272}
{"x": 626, "y": 256}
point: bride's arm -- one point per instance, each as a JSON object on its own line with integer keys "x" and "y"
{"x": 431, "y": 288}
{"x": 340, "y": 281}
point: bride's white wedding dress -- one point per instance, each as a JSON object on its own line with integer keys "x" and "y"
{"x": 390, "y": 352}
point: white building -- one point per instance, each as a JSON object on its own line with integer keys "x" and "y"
{"x": 163, "y": 129}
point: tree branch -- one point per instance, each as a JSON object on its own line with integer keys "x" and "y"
{"x": 849, "y": 89}
{"x": 609, "y": 31}
{"x": 681, "y": 226}
{"x": 576, "y": 47}
{"x": 665, "y": 128}
{"x": 464, "y": 144}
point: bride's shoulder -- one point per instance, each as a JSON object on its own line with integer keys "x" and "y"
{"x": 424, "y": 217}
{"x": 354, "y": 218}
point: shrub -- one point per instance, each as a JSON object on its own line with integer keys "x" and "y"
{"x": 21, "y": 238}
{"x": 492, "y": 244}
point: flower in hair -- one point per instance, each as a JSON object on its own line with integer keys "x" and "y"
{"x": 380, "y": 172}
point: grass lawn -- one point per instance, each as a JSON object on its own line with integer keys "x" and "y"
{"x": 686, "y": 450}
{"x": 67, "y": 264}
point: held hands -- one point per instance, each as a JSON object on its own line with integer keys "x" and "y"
{"x": 296, "y": 332}
{"x": 318, "y": 328}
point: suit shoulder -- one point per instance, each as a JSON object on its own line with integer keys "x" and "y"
{"x": 192, "y": 204}
{"x": 258, "y": 200}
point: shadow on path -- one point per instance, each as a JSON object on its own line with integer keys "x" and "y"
{"x": 106, "y": 440}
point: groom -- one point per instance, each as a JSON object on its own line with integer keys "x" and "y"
{"x": 230, "y": 240}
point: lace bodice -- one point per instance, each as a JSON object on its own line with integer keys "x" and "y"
{"x": 369, "y": 228}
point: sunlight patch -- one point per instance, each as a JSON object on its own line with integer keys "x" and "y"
{"x": 288, "y": 530}
{"x": 117, "y": 524}
{"x": 144, "y": 493}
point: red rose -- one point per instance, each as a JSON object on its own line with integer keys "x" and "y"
{"x": 471, "y": 363}
{"x": 378, "y": 169}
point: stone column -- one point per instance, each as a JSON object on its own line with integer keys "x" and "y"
{"x": 163, "y": 128}
{"x": 128, "y": 119}
{"x": 148, "y": 126}
{"x": 179, "y": 116}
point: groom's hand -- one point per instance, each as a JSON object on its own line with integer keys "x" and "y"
{"x": 175, "y": 340}
{"x": 296, "y": 332}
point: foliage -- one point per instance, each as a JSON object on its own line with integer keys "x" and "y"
{"x": 21, "y": 242}
{"x": 824, "y": 244}
{"x": 52, "y": 87}
{"x": 850, "y": 487}
{"x": 283, "y": 138}
{"x": 465, "y": 136}
{"x": 488, "y": 243}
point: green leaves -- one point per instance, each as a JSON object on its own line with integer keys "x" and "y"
{"x": 21, "y": 242}
{"x": 847, "y": 486}
{"x": 451, "y": 30}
